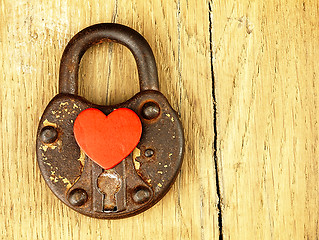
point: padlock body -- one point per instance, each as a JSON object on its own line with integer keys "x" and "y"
{"x": 132, "y": 186}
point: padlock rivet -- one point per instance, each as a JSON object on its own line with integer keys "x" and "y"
{"x": 77, "y": 197}
{"x": 48, "y": 134}
{"x": 141, "y": 195}
{"x": 150, "y": 110}
{"x": 149, "y": 153}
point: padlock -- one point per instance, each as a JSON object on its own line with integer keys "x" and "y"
{"x": 146, "y": 174}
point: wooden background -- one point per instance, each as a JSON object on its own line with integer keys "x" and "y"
{"x": 243, "y": 75}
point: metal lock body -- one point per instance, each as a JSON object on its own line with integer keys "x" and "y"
{"x": 147, "y": 173}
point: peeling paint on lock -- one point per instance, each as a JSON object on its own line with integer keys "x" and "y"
{"x": 145, "y": 175}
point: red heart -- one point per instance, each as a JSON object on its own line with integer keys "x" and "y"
{"x": 107, "y": 140}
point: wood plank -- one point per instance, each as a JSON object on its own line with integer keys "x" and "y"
{"x": 33, "y": 35}
{"x": 266, "y": 73}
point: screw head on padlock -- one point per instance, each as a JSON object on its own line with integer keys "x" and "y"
{"x": 109, "y": 161}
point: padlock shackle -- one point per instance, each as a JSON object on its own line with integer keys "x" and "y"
{"x": 96, "y": 34}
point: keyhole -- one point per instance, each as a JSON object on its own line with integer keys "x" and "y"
{"x": 109, "y": 183}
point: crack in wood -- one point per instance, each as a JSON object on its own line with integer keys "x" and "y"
{"x": 215, "y": 158}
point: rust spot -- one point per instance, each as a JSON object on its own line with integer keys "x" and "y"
{"x": 63, "y": 104}
{"x": 136, "y": 154}
{"x": 47, "y": 123}
{"x": 66, "y": 181}
{"x": 82, "y": 158}
{"x": 46, "y": 146}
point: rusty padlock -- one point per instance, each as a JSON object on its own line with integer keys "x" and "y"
{"x": 147, "y": 173}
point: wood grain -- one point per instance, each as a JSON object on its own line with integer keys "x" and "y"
{"x": 33, "y": 35}
{"x": 266, "y": 75}
{"x": 265, "y": 125}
